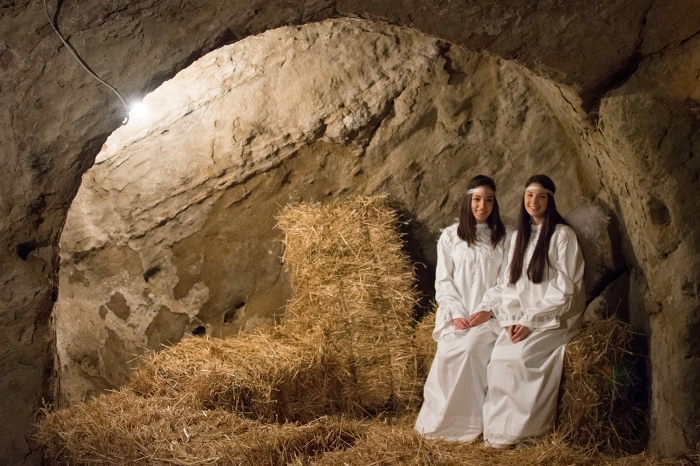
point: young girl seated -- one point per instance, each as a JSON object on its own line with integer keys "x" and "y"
{"x": 539, "y": 302}
{"x": 471, "y": 257}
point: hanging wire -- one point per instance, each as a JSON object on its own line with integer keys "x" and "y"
{"x": 84, "y": 65}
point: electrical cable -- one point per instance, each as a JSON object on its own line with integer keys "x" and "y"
{"x": 84, "y": 65}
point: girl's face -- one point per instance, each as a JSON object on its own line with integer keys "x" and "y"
{"x": 536, "y": 203}
{"x": 482, "y": 203}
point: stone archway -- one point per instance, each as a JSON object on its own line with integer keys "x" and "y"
{"x": 172, "y": 231}
{"x": 640, "y": 139}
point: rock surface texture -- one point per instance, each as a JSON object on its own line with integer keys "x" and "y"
{"x": 172, "y": 230}
{"x": 617, "y": 82}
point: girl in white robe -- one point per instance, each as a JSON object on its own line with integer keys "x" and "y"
{"x": 539, "y": 302}
{"x": 471, "y": 256}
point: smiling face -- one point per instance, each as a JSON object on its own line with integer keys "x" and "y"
{"x": 482, "y": 203}
{"x": 536, "y": 200}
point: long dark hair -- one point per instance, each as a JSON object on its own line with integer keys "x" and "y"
{"x": 540, "y": 258}
{"x": 467, "y": 223}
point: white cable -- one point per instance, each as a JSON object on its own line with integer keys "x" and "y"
{"x": 83, "y": 64}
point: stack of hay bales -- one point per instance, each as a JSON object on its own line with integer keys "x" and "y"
{"x": 346, "y": 345}
{"x": 345, "y": 348}
{"x": 353, "y": 288}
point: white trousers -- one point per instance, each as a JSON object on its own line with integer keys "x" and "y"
{"x": 456, "y": 385}
{"x": 523, "y": 385}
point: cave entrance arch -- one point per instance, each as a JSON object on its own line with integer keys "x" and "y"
{"x": 172, "y": 231}
{"x": 645, "y": 68}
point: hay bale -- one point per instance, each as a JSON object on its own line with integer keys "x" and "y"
{"x": 353, "y": 288}
{"x": 123, "y": 428}
{"x": 426, "y": 347}
{"x": 268, "y": 374}
{"x": 596, "y": 407}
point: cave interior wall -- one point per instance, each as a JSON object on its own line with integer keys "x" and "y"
{"x": 621, "y": 77}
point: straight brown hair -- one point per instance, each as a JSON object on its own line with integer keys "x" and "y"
{"x": 467, "y": 222}
{"x": 540, "y": 258}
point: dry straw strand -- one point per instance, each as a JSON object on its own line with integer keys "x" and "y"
{"x": 426, "y": 346}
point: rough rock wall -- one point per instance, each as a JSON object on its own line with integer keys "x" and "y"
{"x": 172, "y": 230}
{"x": 652, "y": 134}
{"x": 56, "y": 119}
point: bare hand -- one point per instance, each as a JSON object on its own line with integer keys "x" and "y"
{"x": 518, "y": 333}
{"x": 461, "y": 324}
{"x": 479, "y": 318}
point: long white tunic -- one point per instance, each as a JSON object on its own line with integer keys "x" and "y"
{"x": 464, "y": 273}
{"x": 523, "y": 378}
{"x": 456, "y": 385}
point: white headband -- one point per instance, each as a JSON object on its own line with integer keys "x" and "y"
{"x": 539, "y": 189}
{"x": 481, "y": 191}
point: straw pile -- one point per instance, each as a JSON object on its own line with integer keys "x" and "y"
{"x": 268, "y": 375}
{"x": 346, "y": 347}
{"x": 353, "y": 288}
{"x": 596, "y": 407}
{"x": 123, "y": 428}
{"x": 399, "y": 446}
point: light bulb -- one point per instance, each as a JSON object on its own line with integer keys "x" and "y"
{"x": 139, "y": 111}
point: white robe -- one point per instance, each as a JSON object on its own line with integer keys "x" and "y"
{"x": 456, "y": 385}
{"x": 523, "y": 378}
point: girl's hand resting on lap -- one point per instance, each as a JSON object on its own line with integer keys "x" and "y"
{"x": 518, "y": 333}
{"x": 475, "y": 319}
{"x": 479, "y": 318}
{"x": 461, "y": 324}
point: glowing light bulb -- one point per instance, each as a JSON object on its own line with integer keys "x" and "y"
{"x": 139, "y": 111}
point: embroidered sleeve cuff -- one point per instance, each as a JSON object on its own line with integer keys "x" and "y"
{"x": 539, "y": 321}
{"x": 506, "y": 319}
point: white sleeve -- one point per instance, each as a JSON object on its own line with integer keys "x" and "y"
{"x": 491, "y": 301}
{"x": 446, "y": 294}
{"x": 567, "y": 264}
